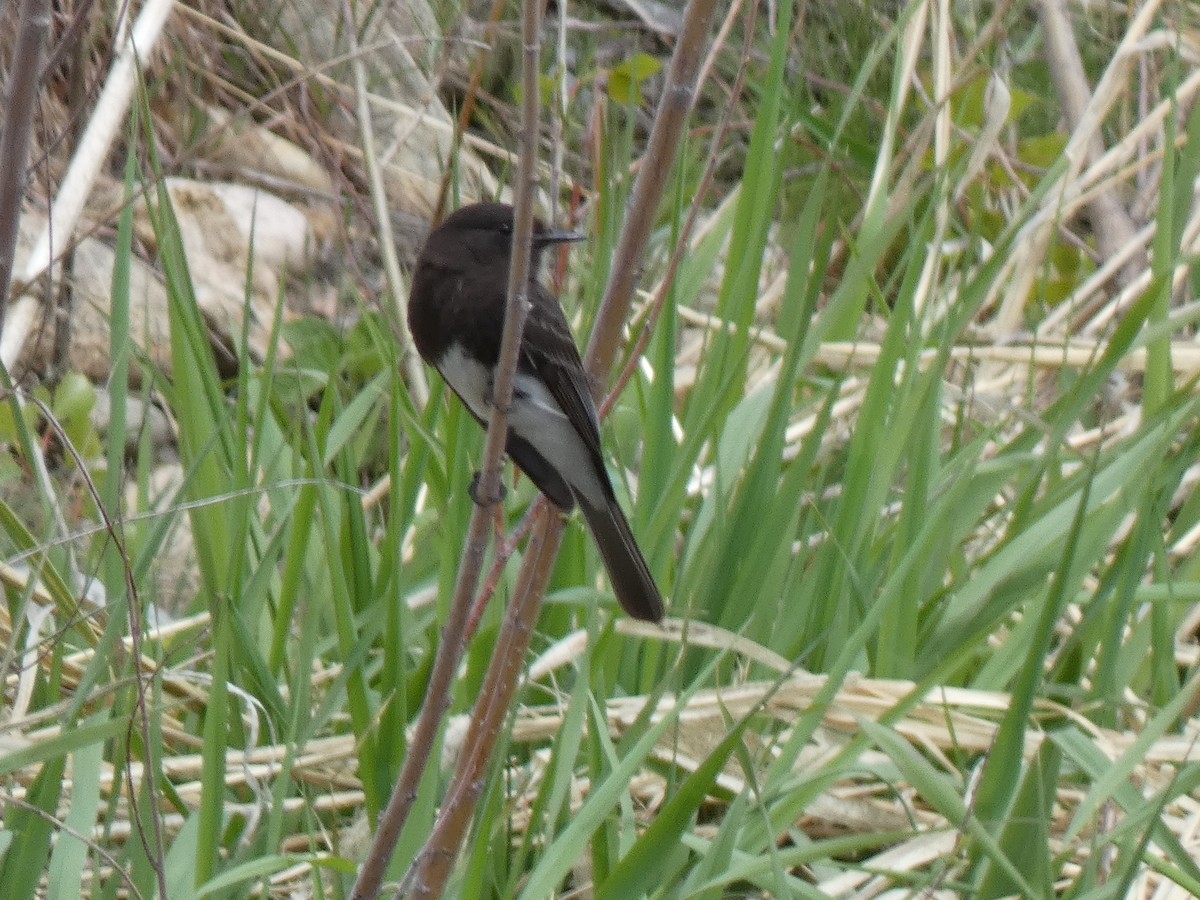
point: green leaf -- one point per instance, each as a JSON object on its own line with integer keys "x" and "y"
{"x": 638, "y": 867}
{"x": 625, "y": 81}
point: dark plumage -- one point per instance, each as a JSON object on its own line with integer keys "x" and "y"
{"x": 456, "y": 315}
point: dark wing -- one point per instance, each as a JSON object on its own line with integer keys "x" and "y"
{"x": 548, "y": 351}
{"x": 547, "y": 478}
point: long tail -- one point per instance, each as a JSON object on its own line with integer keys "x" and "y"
{"x": 631, "y": 579}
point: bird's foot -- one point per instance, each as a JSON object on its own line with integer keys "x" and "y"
{"x": 489, "y": 397}
{"x": 474, "y": 491}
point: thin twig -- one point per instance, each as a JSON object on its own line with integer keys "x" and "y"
{"x": 428, "y": 876}
{"x": 683, "y": 241}
{"x": 432, "y": 865}
{"x": 63, "y": 828}
{"x": 64, "y": 306}
{"x": 469, "y": 101}
{"x": 504, "y": 550}
{"x": 433, "y": 862}
{"x": 90, "y": 156}
{"x": 453, "y": 642}
{"x": 430, "y": 871}
{"x": 20, "y": 103}
{"x": 414, "y": 372}
{"x": 659, "y": 158}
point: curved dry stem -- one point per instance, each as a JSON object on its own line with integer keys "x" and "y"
{"x": 432, "y": 864}
{"x": 154, "y": 843}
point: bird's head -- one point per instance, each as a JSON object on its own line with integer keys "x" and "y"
{"x": 482, "y": 234}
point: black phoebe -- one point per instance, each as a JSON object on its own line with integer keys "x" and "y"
{"x": 456, "y": 315}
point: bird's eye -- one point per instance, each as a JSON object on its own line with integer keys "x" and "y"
{"x": 505, "y": 228}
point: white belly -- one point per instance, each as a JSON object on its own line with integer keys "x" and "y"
{"x": 535, "y": 416}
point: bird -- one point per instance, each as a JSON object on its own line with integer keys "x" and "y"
{"x": 456, "y": 312}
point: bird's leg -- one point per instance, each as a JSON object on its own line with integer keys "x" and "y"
{"x": 497, "y": 505}
{"x": 490, "y": 398}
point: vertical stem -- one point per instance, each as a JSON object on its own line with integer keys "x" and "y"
{"x": 453, "y": 643}
{"x": 23, "y": 80}
{"x": 661, "y": 149}
{"x": 431, "y": 870}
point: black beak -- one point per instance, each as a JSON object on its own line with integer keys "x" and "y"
{"x": 555, "y": 236}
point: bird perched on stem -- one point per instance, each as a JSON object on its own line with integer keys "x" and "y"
{"x": 456, "y": 316}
